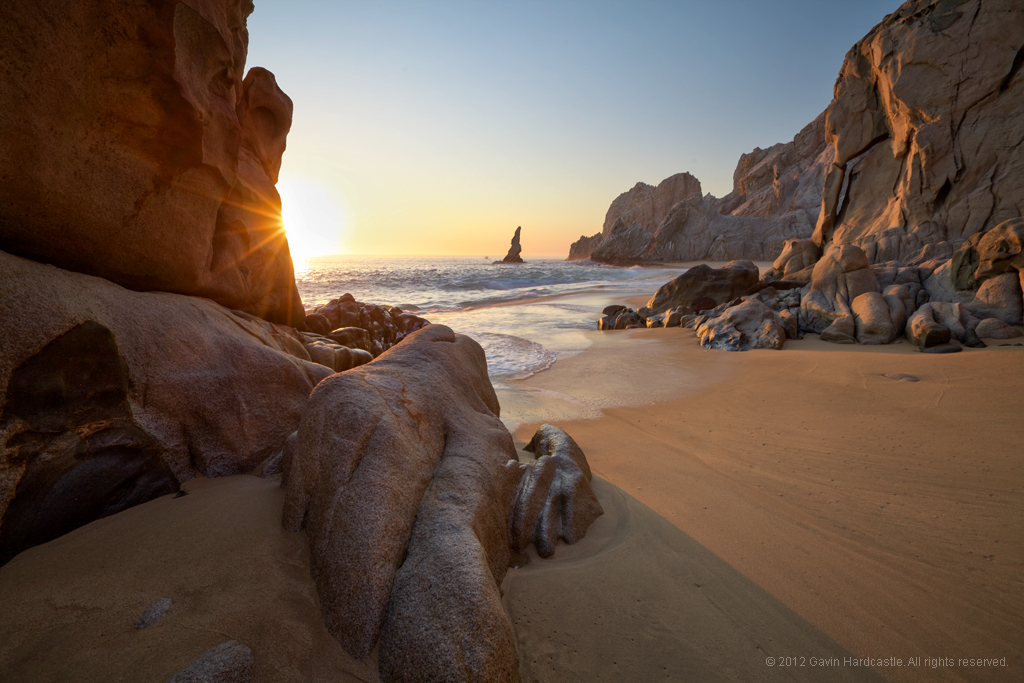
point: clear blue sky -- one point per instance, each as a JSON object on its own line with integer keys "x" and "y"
{"x": 438, "y": 127}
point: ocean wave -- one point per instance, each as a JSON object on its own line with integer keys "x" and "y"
{"x": 449, "y": 284}
{"x": 510, "y": 357}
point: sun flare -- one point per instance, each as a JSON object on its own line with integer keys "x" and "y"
{"x": 313, "y": 217}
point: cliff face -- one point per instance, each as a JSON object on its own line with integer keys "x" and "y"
{"x": 919, "y": 150}
{"x": 776, "y": 196}
{"x": 131, "y": 148}
{"x": 926, "y": 127}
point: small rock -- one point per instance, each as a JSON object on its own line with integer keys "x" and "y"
{"x": 156, "y": 611}
{"x": 317, "y": 324}
{"x": 229, "y": 662}
{"x": 901, "y": 377}
{"x": 952, "y": 347}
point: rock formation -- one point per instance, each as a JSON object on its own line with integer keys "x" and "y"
{"x": 513, "y": 251}
{"x": 918, "y": 152}
{"x": 554, "y": 500}
{"x": 925, "y": 129}
{"x": 112, "y": 397}
{"x": 776, "y": 197}
{"x": 748, "y": 325}
{"x": 131, "y": 148}
{"x": 702, "y": 283}
{"x": 349, "y": 323}
{"x": 405, "y": 480}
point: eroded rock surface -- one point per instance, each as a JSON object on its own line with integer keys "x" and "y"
{"x": 406, "y": 481}
{"x": 925, "y": 128}
{"x": 554, "y": 500}
{"x": 112, "y": 397}
{"x": 402, "y": 478}
{"x": 132, "y": 148}
{"x": 749, "y": 325}
{"x": 67, "y": 423}
{"x": 229, "y": 662}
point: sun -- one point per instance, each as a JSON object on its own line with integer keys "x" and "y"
{"x": 313, "y": 218}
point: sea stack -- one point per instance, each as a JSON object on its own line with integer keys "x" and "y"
{"x": 513, "y": 252}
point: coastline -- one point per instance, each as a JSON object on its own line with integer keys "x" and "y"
{"x": 811, "y": 475}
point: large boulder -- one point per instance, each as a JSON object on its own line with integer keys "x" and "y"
{"x": 936, "y": 323}
{"x": 999, "y": 297}
{"x": 704, "y": 282}
{"x": 404, "y": 479}
{"x": 112, "y": 397}
{"x": 840, "y": 276}
{"x": 131, "y": 148}
{"x": 994, "y": 328}
{"x": 796, "y": 261}
{"x": 924, "y": 127}
{"x": 749, "y": 325}
{"x": 873, "y": 322}
{"x": 1000, "y": 250}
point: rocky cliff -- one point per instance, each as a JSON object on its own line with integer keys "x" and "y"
{"x": 919, "y": 150}
{"x": 776, "y": 196}
{"x": 926, "y": 129}
{"x": 132, "y": 148}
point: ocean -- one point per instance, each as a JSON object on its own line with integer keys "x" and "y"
{"x": 525, "y": 316}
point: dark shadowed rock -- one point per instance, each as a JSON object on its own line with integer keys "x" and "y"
{"x": 704, "y": 282}
{"x": 69, "y": 428}
{"x": 513, "y": 252}
{"x": 112, "y": 396}
{"x": 317, "y": 324}
{"x": 964, "y": 262}
{"x": 554, "y": 499}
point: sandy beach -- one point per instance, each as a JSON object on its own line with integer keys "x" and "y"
{"x": 838, "y": 513}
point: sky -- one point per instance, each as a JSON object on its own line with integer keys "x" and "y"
{"x": 438, "y": 127}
